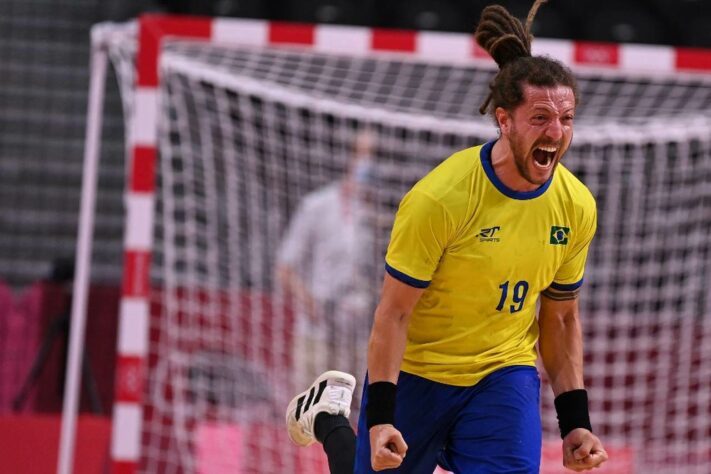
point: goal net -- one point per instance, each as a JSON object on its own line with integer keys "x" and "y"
{"x": 279, "y": 171}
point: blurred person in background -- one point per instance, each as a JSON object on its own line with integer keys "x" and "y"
{"x": 320, "y": 265}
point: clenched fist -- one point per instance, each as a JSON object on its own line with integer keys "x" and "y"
{"x": 387, "y": 447}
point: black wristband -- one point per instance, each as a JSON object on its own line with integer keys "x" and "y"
{"x": 380, "y": 408}
{"x": 572, "y": 410}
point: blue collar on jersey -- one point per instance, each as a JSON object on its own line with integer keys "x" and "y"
{"x": 498, "y": 184}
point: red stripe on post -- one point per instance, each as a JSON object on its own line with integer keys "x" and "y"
{"x": 129, "y": 379}
{"x": 124, "y": 467}
{"x": 143, "y": 169}
{"x": 394, "y": 40}
{"x": 291, "y": 33}
{"x": 693, "y": 59}
{"x": 136, "y": 273}
{"x": 598, "y": 54}
{"x": 152, "y": 30}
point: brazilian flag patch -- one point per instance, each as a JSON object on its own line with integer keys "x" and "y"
{"x": 559, "y": 235}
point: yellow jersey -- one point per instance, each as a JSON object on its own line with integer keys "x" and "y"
{"x": 484, "y": 253}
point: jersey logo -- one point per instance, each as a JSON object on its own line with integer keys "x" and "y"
{"x": 487, "y": 234}
{"x": 559, "y": 235}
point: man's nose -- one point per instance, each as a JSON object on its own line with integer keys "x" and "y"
{"x": 555, "y": 130}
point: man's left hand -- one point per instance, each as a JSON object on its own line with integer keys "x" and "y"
{"x": 582, "y": 450}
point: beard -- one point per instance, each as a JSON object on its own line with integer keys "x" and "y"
{"x": 524, "y": 157}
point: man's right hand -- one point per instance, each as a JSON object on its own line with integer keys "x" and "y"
{"x": 387, "y": 447}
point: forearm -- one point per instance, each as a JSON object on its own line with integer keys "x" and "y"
{"x": 293, "y": 285}
{"x": 387, "y": 345}
{"x": 561, "y": 346}
{"x": 385, "y": 351}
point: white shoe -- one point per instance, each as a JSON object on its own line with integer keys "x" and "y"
{"x": 330, "y": 393}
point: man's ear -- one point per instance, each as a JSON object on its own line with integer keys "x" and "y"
{"x": 503, "y": 120}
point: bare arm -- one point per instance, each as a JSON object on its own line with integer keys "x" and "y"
{"x": 385, "y": 350}
{"x": 561, "y": 347}
{"x": 293, "y": 285}
{"x": 389, "y": 335}
{"x": 561, "y": 343}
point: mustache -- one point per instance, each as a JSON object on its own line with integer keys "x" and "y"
{"x": 553, "y": 144}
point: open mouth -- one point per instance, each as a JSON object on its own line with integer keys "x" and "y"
{"x": 544, "y": 156}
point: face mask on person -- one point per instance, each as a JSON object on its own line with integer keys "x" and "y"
{"x": 363, "y": 172}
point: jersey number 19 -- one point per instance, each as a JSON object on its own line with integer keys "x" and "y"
{"x": 518, "y": 296}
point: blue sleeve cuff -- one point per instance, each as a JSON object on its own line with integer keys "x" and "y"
{"x": 568, "y": 287}
{"x": 407, "y": 279}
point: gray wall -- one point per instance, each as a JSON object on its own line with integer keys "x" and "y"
{"x": 44, "y": 79}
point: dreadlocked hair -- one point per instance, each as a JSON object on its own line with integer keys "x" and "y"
{"x": 508, "y": 42}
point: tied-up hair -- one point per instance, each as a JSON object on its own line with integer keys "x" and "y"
{"x": 508, "y": 42}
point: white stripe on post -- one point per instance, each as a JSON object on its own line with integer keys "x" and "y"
{"x": 133, "y": 332}
{"x": 436, "y": 46}
{"x": 638, "y": 57}
{"x": 242, "y": 32}
{"x": 145, "y": 117}
{"x": 125, "y": 445}
{"x": 139, "y": 221}
{"x": 351, "y": 40}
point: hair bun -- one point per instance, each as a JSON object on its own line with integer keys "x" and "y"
{"x": 503, "y": 36}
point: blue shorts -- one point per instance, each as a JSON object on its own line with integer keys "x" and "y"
{"x": 492, "y": 427}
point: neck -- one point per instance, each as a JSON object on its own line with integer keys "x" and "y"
{"x": 504, "y": 164}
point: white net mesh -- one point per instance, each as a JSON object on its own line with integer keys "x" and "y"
{"x": 271, "y": 235}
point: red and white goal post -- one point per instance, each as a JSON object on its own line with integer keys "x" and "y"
{"x": 231, "y": 122}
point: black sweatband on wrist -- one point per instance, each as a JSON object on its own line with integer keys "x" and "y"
{"x": 380, "y": 408}
{"x": 572, "y": 410}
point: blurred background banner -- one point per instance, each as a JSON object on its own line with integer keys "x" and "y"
{"x": 257, "y": 123}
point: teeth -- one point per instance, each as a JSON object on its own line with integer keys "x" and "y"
{"x": 548, "y": 149}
